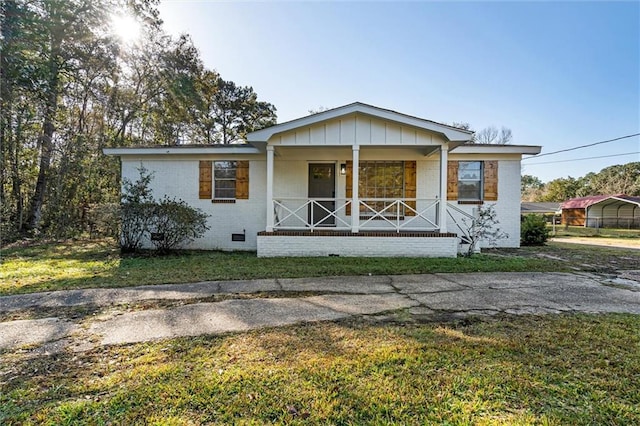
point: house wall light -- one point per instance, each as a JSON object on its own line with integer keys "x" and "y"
{"x": 343, "y": 169}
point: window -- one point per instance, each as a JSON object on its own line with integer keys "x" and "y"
{"x": 470, "y": 180}
{"x": 380, "y": 179}
{"x": 224, "y": 180}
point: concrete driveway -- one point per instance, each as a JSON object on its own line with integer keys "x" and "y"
{"x": 186, "y": 309}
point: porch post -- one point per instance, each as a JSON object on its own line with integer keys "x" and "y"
{"x": 355, "y": 202}
{"x": 270, "y": 152}
{"x": 442, "y": 212}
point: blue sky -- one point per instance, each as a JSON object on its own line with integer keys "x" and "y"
{"x": 557, "y": 74}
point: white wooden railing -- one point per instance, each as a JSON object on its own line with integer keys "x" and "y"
{"x": 399, "y": 214}
{"x": 463, "y": 221}
{"x": 299, "y": 213}
{"x": 407, "y": 214}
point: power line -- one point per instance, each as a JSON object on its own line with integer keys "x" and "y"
{"x": 586, "y": 158}
{"x": 582, "y": 146}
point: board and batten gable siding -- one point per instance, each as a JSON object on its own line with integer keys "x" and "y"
{"x": 357, "y": 129}
{"x": 180, "y": 178}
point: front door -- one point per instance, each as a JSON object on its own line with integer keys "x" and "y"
{"x": 322, "y": 184}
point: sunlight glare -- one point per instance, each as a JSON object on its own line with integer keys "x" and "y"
{"x": 126, "y": 27}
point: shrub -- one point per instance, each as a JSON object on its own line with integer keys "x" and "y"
{"x": 533, "y": 231}
{"x": 483, "y": 227}
{"x": 136, "y": 210}
{"x": 175, "y": 223}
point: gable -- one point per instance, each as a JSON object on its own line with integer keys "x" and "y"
{"x": 357, "y": 129}
{"x": 358, "y": 122}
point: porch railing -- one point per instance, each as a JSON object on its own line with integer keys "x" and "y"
{"x": 463, "y": 221}
{"x": 406, "y": 214}
{"x": 310, "y": 214}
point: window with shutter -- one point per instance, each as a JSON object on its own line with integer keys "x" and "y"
{"x": 205, "y": 180}
{"x": 490, "y": 180}
{"x": 242, "y": 180}
{"x": 224, "y": 181}
{"x": 472, "y": 181}
{"x": 452, "y": 180}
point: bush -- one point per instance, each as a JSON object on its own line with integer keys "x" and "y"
{"x": 136, "y": 210}
{"x": 168, "y": 223}
{"x": 175, "y": 223}
{"x": 533, "y": 231}
{"x": 483, "y": 227}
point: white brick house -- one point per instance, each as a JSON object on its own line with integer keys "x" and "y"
{"x": 293, "y": 188}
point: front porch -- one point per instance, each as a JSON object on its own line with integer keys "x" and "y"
{"x": 387, "y": 202}
{"x": 359, "y": 181}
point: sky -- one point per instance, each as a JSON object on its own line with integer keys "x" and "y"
{"x": 558, "y": 74}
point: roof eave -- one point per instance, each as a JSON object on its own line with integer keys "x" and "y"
{"x": 498, "y": 149}
{"x": 184, "y": 150}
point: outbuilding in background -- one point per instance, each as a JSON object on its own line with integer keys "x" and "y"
{"x": 602, "y": 211}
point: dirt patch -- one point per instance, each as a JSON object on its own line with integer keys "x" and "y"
{"x": 598, "y": 259}
{"x": 623, "y": 243}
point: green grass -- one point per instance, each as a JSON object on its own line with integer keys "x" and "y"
{"x": 581, "y": 231}
{"x": 85, "y": 264}
{"x": 557, "y": 369}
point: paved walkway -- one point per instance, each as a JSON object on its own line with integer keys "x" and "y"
{"x": 268, "y": 303}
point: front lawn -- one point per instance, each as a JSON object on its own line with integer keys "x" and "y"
{"x": 86, "y": 264}
{"x": 556, "y": 369}
{"x": 83, "y": 264}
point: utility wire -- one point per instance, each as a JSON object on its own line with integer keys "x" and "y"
{"x": 581, "y": 146}
{"x": 586, "y": 158}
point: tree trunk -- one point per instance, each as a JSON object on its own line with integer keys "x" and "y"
{"x": 46, "y": 139}
{"x": 16, "y": 180}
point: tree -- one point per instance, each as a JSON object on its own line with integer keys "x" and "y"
{"x": 229, "y": 112}
{"x": 530, "y": 188}
{"x": 612, "y": 180}
{"x": 618, "y": 179}
{"x": 488, "y": 135}
{"x": 559, "y": 190}
{"x": 530, "y": 182}
{"x": 69, "y": 88}
{"x": 56, "y": 31}
{"x": 491, "y": 135}
{"x": 174, "y": 115}
{"x": 318, "y": 110}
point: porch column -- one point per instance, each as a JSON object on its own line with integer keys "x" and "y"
{"x": 270, "y": 152}
{"x": 442, "y": 211}
{"x": 355, "y": 202}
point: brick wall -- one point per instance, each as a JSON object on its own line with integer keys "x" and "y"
{"x": 276, "y": 246}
